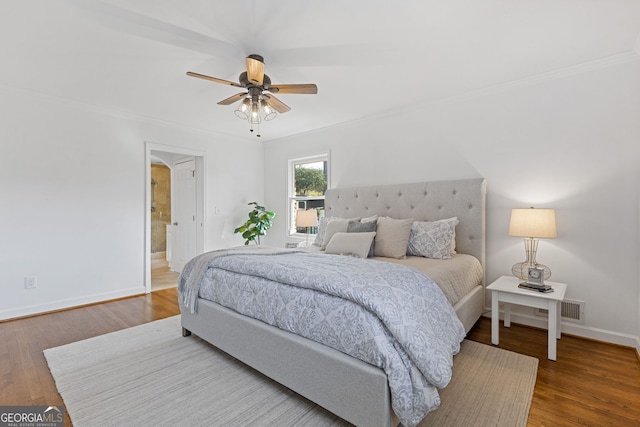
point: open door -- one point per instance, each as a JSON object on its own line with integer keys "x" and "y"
{"x": 188, "y": 201}
{"x": 185, "y": 211}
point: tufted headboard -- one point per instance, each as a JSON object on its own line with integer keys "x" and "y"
{"x": 426, "y": 201}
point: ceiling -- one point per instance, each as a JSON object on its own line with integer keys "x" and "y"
{"x": 368, "y": 57}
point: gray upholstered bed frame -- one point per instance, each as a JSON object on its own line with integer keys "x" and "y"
{"x": 348, "y": 387}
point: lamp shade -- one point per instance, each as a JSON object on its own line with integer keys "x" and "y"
{"x": 243, "y": 110}
{"x": 307, "y": 218}
{"x": 532, "y": 222}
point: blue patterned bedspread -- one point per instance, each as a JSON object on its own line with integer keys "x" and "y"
{"x": 388, "y": 315}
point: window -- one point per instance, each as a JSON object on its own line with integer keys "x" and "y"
{"x": 308, "y": 180}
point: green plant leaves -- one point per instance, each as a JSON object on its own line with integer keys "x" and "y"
{"x": 260, "y": 220}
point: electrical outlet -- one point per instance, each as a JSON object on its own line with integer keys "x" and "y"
{"x": 30, "y": 282}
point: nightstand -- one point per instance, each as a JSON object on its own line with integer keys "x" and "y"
{"x": 505, "y": 289}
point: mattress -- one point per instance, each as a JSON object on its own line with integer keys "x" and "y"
{"x": 456, "y": 276}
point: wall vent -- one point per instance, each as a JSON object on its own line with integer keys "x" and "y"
{"x": 572, "y": 311}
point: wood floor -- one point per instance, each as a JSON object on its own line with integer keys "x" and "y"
{"x": 591, "y": 384}
{"x": 161, "y": 276}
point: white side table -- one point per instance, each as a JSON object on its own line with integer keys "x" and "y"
{"x": 505, "y": 289}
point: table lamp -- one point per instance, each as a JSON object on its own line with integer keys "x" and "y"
{"x": 532, "y": 224}
{"x": 306, "y": 218}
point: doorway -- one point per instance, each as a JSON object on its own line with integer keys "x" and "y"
{"x": 161, "y": 226}
{"x": 181, "y": 223}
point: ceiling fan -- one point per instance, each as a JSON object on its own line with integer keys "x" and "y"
{"x": 258, "y": 102}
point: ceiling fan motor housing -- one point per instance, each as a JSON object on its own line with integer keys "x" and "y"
{"x": 254, "y": 93}
{"x": 256, "y": 57}
{"x": 244, "y": 81}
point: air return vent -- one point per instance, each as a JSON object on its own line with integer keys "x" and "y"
{"x": 572, "y": 311}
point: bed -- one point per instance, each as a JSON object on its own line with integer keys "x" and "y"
{"x": 350, "y": 388}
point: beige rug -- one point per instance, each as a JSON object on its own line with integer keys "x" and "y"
{"x": 150, "y": 375}
{"x": 490, "y": 387}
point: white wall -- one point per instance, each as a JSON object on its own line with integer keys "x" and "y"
{"x": 72, "y": 186}
{"x": 72, "y": 191}
{"x": 571, "y": 143}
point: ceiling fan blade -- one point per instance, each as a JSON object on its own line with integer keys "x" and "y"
{"x": 255, "y": 69}
{"x": 235, "y": 98}
{"x": 309, "y": 88}
{"x": 213, "y": 79}
{"x": 276, "y": 104}
{"x": 137, "y": 24}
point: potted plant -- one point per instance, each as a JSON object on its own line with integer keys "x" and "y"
{"x": 260, "y": 220}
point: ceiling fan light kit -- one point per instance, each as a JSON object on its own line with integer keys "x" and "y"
{"x": 269, "y": 113}
{"x": 257, "y": 103}
{"x": 243, "y": 110}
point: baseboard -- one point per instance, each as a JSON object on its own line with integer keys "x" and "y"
{"x": 31, "y": 310}
{"x": 577, "y": 330}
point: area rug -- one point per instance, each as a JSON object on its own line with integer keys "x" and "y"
{"x": 149, "y": 375}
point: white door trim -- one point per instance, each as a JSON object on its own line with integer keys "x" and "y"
{"x": 201, "y": 163}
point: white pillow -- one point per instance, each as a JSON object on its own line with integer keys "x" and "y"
{"x": 336, "y": 225}
{"x": 333, "y": 226}
{"x": 433, "y": 239}
{"x": 392, "y": 237}
{"x": 355, "y": 244}
{"x": 322, "y": 229}
{"x": 373, "y": 218}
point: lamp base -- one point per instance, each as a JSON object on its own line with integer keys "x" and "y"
{"x": 521, "y": 270}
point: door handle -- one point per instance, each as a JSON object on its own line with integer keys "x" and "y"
{"x": 175, "y": 223}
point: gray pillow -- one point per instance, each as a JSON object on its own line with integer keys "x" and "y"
{"x": 433, "y": 239}
{"x": 363, "y": 227}
{"x": 354, "y": 244}
{"x": 392, "y": 237}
